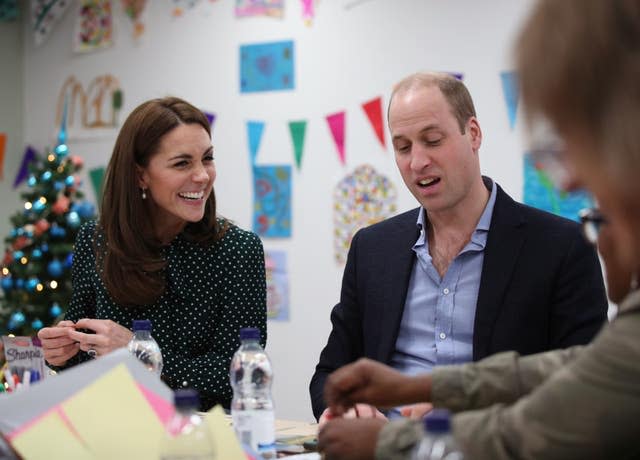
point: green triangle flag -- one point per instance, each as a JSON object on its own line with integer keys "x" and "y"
{"x": 97, "y": 176}
{"x": 298, "y": 129}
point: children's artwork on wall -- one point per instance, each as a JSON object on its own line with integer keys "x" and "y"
{"x": 3, "y": 144}
{"x": 297, "y": 130}
{"x": 134, "y": 9}
{"x": 336, "y": 126}
{"x": 97, "y": 177}
{"x": 273, "y": 8}
{"x": 8, "y": 10}
{"x": 362, "y": 198}
{"x": 45, "y": 14}
{"x": 511, "y": 95}
{"x": 267, "y": 67}
{"x": 540, "y": 192}
{"x": 275, "y": 264}
{"x": 272, "y": 201}
{"x": 94, "y": 26}
{"x": 182, "y": 6}
{"x": 97, "y": 107}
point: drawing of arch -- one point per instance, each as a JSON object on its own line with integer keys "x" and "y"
{"x": 73, "y": 92}
{"x": 104, "y": 89}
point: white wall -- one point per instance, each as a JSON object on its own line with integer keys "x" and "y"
{"x": 348, "y": 56}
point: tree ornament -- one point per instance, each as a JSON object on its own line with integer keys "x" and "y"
{"x": 37, "y": 324}
{"x": 55, "y": 268}
{"x": 55, "y": 310}
{"x": 61, "y": 205}
{"x": 73, "y": 219}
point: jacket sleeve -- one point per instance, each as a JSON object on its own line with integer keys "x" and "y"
{"x": 345, "y": 343}
{"x": 579, "y": 299}
{"x": 209, "y": 372}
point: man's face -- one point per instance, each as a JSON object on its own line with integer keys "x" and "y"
{"x": 437, "y": 162}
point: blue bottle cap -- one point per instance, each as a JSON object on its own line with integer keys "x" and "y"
{"x": 186, "y": 398}
{"x": 141, "y": 325}
{"x": 249, "y": 333}
{"x": 438, "y": 421}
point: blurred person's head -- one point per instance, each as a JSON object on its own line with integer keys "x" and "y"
{"x": 579, "y": 68}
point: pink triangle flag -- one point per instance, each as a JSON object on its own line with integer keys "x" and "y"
{"x": 373, "y": 109}
{"x": 336, "y": 125}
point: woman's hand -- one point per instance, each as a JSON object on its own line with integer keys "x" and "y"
{"x": 108, "y": 336}
{"x": 57, "y": 345}
{"x": 357, "y": 411}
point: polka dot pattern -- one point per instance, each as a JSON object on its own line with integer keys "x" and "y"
{"x": 212, "y": 292}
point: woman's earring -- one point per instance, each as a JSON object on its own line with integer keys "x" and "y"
{"x": 144, "y": 193}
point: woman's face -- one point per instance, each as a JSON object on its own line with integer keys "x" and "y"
{"x": 586, "y": 171}
{"x": 179, "y": 179}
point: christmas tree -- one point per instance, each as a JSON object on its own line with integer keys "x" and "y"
{"x": 36, "y": 267}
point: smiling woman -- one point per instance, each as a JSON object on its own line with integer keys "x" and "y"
{"x": 160, "y": 252}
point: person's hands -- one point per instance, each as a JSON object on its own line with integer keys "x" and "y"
{"x": 416, "y": 411}
{"x": 357, "y": 411}
{"x": 349, "y": 438}
{"x": 367, "y": 381}
{"x": 57, "y": 345}
{"x": 108, "y": 335}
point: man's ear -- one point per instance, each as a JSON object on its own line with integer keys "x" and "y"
{"x": 475, "y": 133}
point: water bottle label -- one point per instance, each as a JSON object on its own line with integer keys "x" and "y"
{"x": 255, "y": 428}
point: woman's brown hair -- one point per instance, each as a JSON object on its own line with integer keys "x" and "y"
{"x": 129, "y": 255}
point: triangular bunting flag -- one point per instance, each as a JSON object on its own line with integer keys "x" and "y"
{"x": 297, "y": 129}
{"x": 44, "y": 16}
{"x": 457, "y": 75}
{"x": 307, "y": 11}
{"x": 3, "y": 143}
{"x": 211, "y": 117}
{"x": 23, "y": 172}
{"x": 254, "y": 131}
{"x": 336, "y": 124}
{"x": 511, "y": 94}
{"x": 373, "y": 109}
{"x": 97, "y": 176}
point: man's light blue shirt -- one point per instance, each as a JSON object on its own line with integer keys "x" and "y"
{"x": 439, "y": 313}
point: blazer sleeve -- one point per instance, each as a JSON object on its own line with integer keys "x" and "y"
{"x": 579, "y": 302}
{"x": 345, "y": 343}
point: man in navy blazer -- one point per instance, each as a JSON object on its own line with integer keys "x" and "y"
{"x": 469, "y": 273}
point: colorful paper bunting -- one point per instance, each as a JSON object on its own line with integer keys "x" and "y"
{"x": 457, "y": 75}
{"x": 298, "y": 129}
{"x": 273, "y": 8}
{"x": 133, "y": 9}
{"x": 97, "y": 176}
{"x": 3, "y": 144}
{"x": 23, "y": 172}
{"x": 336, "y": 125}
{"x": 254, "y": 131}
{"x": 373, "y": 109}
{"x": 211, "y": 117}
{"x": 511, "y": 96}
{"x": 307, "y": 11}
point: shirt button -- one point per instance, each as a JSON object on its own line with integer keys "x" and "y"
{"x": 446, "y": 290}
{"x": 443, "y": 335}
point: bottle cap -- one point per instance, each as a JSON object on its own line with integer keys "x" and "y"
{"x": 438, "y": 421}
{"x": 186, "y": 398}
{"x": 141, "y": 325}
{"x": 249, "y": 333}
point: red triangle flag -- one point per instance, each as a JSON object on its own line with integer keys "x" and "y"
{"x": 373, "y": 109}
{"x": 336, "y": 124}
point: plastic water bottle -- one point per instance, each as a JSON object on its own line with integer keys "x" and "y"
{"x": 144, "y": 347}
{"x": 437, "y": 442}
{"x": 252, "y": 406}
{"x": 187, "y": 435}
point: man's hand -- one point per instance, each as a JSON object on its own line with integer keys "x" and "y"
{"x": 367, "y": 381}
{"x": 108, "y": 335}
{"x": 353, "y": 439}
{"x": 416, "y": 411}
{"x": 357, "y": 411}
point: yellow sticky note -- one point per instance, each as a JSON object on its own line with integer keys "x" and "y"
{"x": 50, "y": 439}
{"x": 227, "y": 445}
{"x": 114, "y": 419}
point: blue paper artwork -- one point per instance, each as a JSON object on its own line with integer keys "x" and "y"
{"x": 272, "y": 201}
{"x": 540, "y": 193}
{"x": 267, "y": 67}
{"x": 275, "y": 263}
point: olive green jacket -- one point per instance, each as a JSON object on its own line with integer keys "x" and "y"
{"x": 582, "y": 402}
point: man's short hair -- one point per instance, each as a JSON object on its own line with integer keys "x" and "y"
{"x": 453, "y": 90}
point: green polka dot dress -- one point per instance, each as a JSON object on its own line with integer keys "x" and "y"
{"x": 211, "y": 293}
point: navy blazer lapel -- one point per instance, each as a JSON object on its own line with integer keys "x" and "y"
{"x": 397, "y": 266}
{"x": 501, "y": 253}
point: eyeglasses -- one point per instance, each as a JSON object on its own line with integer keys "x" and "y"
{"x": 592, "y": 221}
